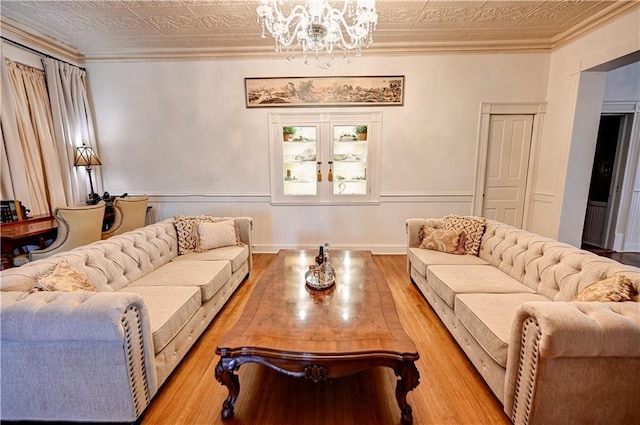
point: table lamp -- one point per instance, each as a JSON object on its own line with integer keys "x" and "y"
{"x": 86, "y": 158}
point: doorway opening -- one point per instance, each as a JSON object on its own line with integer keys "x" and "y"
{"x": 606, "y": 180}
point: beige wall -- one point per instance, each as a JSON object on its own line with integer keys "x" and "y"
{"x": 180, "y": 132}
{"x": 561, "y": 187}
{"x": 623, "y": 84}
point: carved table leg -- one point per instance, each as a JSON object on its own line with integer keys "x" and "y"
{"x": 225, "y": 375}
{"x": 409, "y": 379}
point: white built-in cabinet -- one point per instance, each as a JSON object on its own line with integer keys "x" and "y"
{"x": 325, "y": 158}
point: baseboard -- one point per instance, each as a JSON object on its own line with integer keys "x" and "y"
{"x": 631, "y": 247}
{"x": 618, "y": 241}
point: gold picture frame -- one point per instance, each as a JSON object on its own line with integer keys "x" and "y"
{"x": 289, "y": 92}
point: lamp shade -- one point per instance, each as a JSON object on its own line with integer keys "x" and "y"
{"x": 85, "y": 157}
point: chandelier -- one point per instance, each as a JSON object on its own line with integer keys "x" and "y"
{"x": 318, "y": 28}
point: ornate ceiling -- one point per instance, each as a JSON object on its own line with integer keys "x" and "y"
{"x": 143, "y": 29}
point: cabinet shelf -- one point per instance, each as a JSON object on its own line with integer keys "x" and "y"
{"x": 347, "y": 158}
{"x": 350, "y": 142}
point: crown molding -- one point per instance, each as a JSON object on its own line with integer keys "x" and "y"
{"x": 387, "y": 49}
{"x": 22, "y": 35}
{"x": 603, "y": 17}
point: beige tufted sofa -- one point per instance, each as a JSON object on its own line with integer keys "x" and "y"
{"x": 547, "y": 359}
{"x": 101, "y": 356}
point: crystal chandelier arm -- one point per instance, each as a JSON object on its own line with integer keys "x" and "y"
{"x": 295, "y": 34}
{"x": 356, "y": 39}
{"x": 280, "y": 27}
{"x": 316, "y": 26}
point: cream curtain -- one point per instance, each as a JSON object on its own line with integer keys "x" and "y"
{"x": 14, "y": 179}
{"x": 39, "y": 165}
{"x": 6, "y": 183}
{"x": 72, "y": 123}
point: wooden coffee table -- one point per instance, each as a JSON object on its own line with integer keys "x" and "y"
{"x": 319, "y": 335}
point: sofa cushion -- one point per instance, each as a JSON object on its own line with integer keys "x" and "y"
{"x": 488, "y": 317}
{"x": 449, "y": 280}
{"x": 569, "y": 279}
{"x": 423, "y": 258}
{"x": 237, "y": 255}
{"x": 553, "y": 269}
{"x": 209, "y": 276}
{"x": 170, "y": 308}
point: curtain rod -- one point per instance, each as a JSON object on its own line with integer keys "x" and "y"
{"x": 39, "y": 53}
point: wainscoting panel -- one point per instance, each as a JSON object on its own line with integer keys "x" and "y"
{"x": 542, "y": 215}
{"x": 379, "y": 228}
{"x": 632, "y": 236}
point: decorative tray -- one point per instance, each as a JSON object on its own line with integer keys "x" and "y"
{"x": 319, "y": 281}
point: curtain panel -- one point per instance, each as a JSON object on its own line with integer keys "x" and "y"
{"x": 44, "y": 117}
{"x": 72, "y": 123}
{"x": 33, "y": 157}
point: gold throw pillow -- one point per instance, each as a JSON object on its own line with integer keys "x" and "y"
{"x": 64, "y": 277}
{"x": 451, "y": 241}
{"x": 615, "y": 288}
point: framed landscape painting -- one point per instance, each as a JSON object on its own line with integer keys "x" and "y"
{"x": 324, "y": 91}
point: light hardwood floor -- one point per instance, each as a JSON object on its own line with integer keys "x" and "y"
{"x": 450, "y": 390}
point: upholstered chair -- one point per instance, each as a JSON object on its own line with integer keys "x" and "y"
{"x": 77, "y": 226}
{"x": 130, "y": 213}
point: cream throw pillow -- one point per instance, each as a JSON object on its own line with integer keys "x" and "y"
{"x": 216, "y": 235}
{"x": 186, "y": 228}
{"x": 451, "y": 241}
{"x": 615, "y": 288}
{"x": 64, "y": 277}
{"x": 473, "y": 226}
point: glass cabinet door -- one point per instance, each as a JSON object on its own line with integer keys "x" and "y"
{"x": 299, "y": 160}
{"x": 350, "y": 160}
{"x": 325, "y": 158}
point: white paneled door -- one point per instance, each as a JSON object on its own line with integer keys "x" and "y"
{"x": 506, "y": 169}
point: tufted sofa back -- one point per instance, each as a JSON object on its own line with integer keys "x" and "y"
{"x": 553, "y": 269}
{"x": 109, "y": 264}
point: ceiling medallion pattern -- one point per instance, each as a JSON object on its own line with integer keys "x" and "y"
{"x": 503, "y": 14}
{"x": 459, "y": 15}
{"x": 138, "y": 29}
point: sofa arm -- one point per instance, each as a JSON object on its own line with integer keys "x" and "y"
{"x": 572, "y": 362}
{"x": 75, "y": 356}
{"x": 245, "y": 227}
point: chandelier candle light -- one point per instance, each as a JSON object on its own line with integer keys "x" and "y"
{"x": 319, "y": 28}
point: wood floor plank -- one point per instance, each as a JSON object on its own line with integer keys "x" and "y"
{"x": 450, "y": 390}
